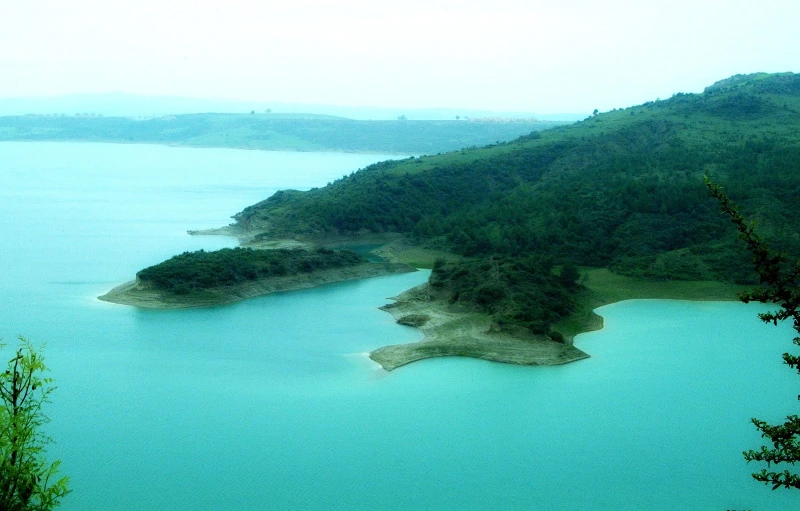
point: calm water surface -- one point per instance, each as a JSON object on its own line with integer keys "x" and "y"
{"x": 272, "y": 404}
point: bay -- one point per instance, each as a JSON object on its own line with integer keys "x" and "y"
{"x": 272, "y": 404}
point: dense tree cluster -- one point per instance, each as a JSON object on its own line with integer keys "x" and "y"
{"x": 516, "y": 292}
{"x": 196, "y": 271}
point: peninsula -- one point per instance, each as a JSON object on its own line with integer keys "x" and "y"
{"x": 535, "y": 233}
{"x": 526, "y": 238}
{"x": 201, "y": 279}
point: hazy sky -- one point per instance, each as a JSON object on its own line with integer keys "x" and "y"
{"x": 535, "y": 55}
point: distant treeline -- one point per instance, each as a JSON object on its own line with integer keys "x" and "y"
{"x": 197, "y": 271}
{"x": 297, "y": 132}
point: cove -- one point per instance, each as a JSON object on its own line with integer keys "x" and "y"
{"x": 271, "y": 403}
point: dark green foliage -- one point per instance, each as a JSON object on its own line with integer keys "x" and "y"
{"x": 617, "y": 190}
{"x": 722, "y": 261}
{"x": 516, "y": 292}
{"x": 780, "y": 284}
{"x": 196, "y": 271}
{"x": 569, "y": 276}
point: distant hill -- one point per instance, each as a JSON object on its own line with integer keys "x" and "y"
{"x": 117, "y": 104}
{"x": 272, "y": 131}
{"x": 622, "y": 189}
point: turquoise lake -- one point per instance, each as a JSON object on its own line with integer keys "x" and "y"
{"x": 272, "y": 403}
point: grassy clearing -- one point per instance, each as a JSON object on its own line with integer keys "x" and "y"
{"x": 608, "y": 287}
{"x": 417, "y": 257}
{"x": 604, "y": 287}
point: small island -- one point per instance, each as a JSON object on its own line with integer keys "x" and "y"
{"x": 201, "y": 278}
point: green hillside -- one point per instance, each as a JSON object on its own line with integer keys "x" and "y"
{"x": 273, "y": 131}
{"x": 622, "y": 190}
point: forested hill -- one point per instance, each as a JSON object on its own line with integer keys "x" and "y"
{"x": 622, "y": 189}
{"x": 273, "y": 131}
